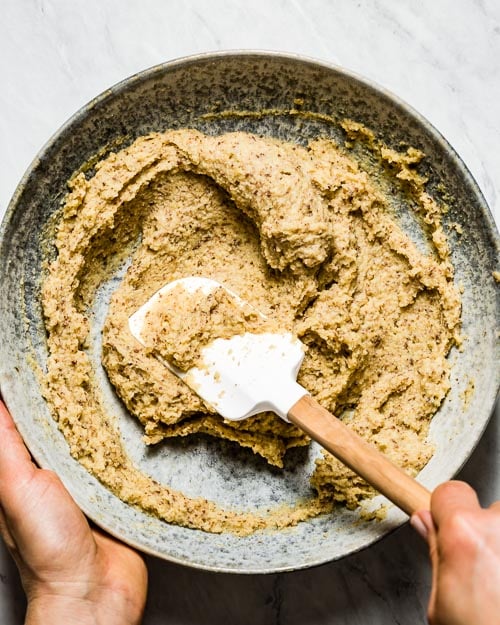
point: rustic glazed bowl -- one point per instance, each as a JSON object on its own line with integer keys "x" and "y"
{"x": 262, "y": 93}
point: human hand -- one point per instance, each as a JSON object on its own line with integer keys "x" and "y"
{"x": 464, "y": 546}
{"x": 70, "y": 572}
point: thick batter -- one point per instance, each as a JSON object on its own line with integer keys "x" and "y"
{"x": 182, "y": 322}
{"x": 304, "y": 234}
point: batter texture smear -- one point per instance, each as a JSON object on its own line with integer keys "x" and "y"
{"x": 305, "y": 234}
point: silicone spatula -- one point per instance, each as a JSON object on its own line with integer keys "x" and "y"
{"x": 251, "y": 373}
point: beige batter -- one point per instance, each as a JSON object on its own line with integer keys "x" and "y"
{"x": 181, "y": 323}
{"x": 304, "y": 234}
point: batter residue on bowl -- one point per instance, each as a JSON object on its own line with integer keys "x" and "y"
{"x": 306, "y": 235}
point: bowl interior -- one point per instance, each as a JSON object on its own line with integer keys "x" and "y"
{"x": 260, "y": 93}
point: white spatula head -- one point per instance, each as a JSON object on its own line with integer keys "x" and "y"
{"x": 240, "y": 376}
{"x": 251, "y": 373}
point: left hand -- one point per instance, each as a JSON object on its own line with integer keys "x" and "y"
{"x": 71, "y": 573}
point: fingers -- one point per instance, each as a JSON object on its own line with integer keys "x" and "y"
{"x": 37, "y": 509}
{"x": 451, "y": 498}
{"x": 15, "y": 462}
{"x": 464, "y": 548}
{"x": 447, "y": 533}
{"x": 5, "y": 532}
{"x": 16, "y": 468}
{"x": 457, "y": 515}
{"x": 449, "y": 503}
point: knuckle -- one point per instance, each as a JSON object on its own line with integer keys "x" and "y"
{"x": 51, "y": 476}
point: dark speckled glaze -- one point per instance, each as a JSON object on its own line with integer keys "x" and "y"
{"x": 191, "y": 92}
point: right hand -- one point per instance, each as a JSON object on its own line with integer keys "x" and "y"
{"x": 464, "y": 545}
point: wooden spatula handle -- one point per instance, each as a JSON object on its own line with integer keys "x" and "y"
{"x": 358, "y": 455}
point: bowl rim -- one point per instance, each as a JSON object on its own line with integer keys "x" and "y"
{"x": 163, "y": 66}
{"x": 184, "y": 61}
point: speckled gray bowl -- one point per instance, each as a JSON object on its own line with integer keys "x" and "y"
{"x": 260, "y": 89}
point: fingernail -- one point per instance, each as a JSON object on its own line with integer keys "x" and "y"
{"x": 419, "y": 526}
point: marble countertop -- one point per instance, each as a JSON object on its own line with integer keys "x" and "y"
{"x": 443, "y": 58}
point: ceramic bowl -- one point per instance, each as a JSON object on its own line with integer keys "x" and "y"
{"x": 257, "y": 92}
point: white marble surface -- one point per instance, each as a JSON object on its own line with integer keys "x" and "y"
{"x": 443, "y": 57}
